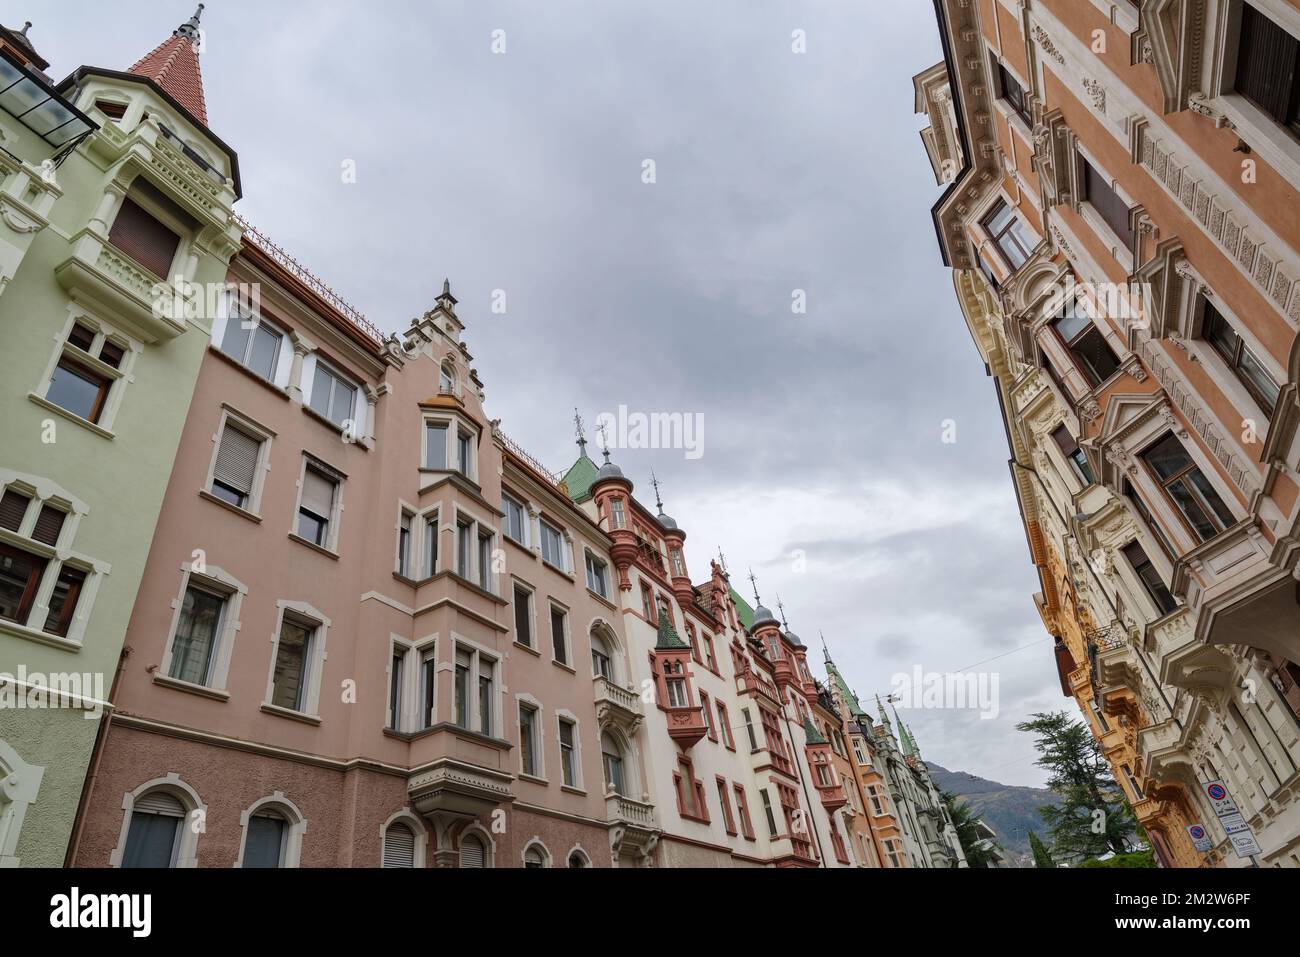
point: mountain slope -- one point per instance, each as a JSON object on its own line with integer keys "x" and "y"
{"x": 1011, "y": 810}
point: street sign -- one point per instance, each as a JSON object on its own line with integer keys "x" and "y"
{"x": 1231, "y": 819}
{"x": 1201, "y": 839}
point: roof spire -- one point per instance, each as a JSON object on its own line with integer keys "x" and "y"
{"x": 781, "y": 608}
{"x": 722, "y": 559}
{"x": 190, "y": 29}
{"x": 174, "y": 66}
{"x": 582, "y": 435}
{"x": 826, "y": 652}
{"x": 604, "y": 440}
{"x": 446, "y": 293}
{"x": 754, "y": 582}
{"x": 654, "y": 480}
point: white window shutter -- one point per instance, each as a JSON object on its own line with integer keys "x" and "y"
{"x": 399, "y": 846}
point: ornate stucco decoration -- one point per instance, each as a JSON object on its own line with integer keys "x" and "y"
{"x": 1096, "y": 92}
{"x": 1174, "y": 33}
{"x": 1044, "y": 40}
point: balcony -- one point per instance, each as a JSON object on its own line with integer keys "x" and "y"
{"x": 458, "y": 789}
{"x": 832, "y": 795}
{"x": 100, "y": 275}
{"x": 685, "y": 724}
{"x": 1184, "y": 662}
{"x": 751, "y": 682}
{"x": 634, "y": 830}
{"x": 617, "y": 705}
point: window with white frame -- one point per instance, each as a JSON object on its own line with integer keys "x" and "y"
{"x": 486, "y": 579}
{"x": 569, "y": 767}
{"x": 272, "y": 836}
{"x": 239, "y": 463}
{"x": 473, "y": 851}
{"x": 1188, "y": 488}
{"x": 333, "y": 395}
{"x": 396, "y": 686}
{"x": 318, "y": 504}
{"x": 474, "y": 690}
{"x": 601, "y": 659}
{"x": 465, "y": 453}
{"x": 297, "y": 659}
{"x": 611, "y": 755}
{"x": 399, "y": 845}
{"x": 45, "y": 586}
{"x": 530, "y": 740}
{"x": 1268, "y": 68}
{"x": 430, "y": 545}
{"x": 254, "y": 343}
{"x": 447, "y": 378}
{"x": 464, "y": 547}
{"x": 560, "y": 634}
{"x": 552, "y": 545}
{"x": 435, "y": 444}
{"x": 404, "y": 533}
{"x": 195, "y": 641}
{"x": 597, "y": 575}
{"x": 156, "y": 831}
{"x": 535, "y": 856}
{"x": 90, "y": 370}
{"x": 428, "y": 683}
{"x": 523, "y": 602}
{"x": 516, "y": 519}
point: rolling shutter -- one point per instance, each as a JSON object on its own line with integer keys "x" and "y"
{"x": 317, "y": 493}
{"x": 159, "y": 802}
{"x": 48, "y": 525}
{"x": 143, "y": 238}
{"x": 471, "y": 852}
{"x": 399, "y": 846}
{"x": 237, "y": 461}
{"x": 13, "y": 506}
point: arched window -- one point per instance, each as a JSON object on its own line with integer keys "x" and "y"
{"x": 535, "y": 856}
{"x": 154, "y": 838}
{"x": 612, "y": 756}
{"x": 601, "y": 662}
{"x": 447, "y": 377}
{"x": 399, "y": 845}
{"x": 577, "y": 860}
{"x": 267, "y": 839}
{"x": 473, "y": 852}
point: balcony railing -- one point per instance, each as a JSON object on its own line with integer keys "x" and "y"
{"x": 631, "y": 813}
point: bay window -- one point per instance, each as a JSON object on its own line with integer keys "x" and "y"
{"x": 1086, "y": 345}
{"x": 1188, "y": 488}
{"x": 1243, "y": 362}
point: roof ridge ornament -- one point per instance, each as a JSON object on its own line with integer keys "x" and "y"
{"x": 190, "y": 28}
{"x": 581, "y": 432}
{"x": 754, "y": 584}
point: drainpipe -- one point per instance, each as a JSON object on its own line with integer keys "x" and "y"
{"x": 96, "y": 756}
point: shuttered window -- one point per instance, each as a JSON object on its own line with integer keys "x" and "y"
{"x": 144, "y": 238}
{"x": 236, "y": 467}
{"x": 1070, "y": 449}
{"x": 1268, "y": 68}
{"x": 399, "y": 846}
{"x": 264, "y": 845}
{"x": 317, "y": 506}
{"x": 472, "y": 852}
{"x": 155, "y": 831}
{"x": 13, "y": 506}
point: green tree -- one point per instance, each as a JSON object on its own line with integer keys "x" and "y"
{"x": 1093, "y": 816}
{"x": 1042, "y": 856}
{"x": 964, "y": 821}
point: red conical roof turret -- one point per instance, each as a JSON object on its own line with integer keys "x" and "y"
{"x": 174, "y": 66}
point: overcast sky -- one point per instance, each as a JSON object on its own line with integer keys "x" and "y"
{"x": 775, "y": 171}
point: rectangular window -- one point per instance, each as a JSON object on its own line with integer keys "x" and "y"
{"x": 706, "y": 706}
{"x": 195, "y": 642}
{"x": 724, "y": 801}
{"x": 742, "y": 808}
{"x": 724, "y": 725}
{"x": 464, "y": 546}
{"x": 395, "y": 692}
{"x": 523, "y": 616}
{"x": 676, "y": 688}
{"x": 464, "y": 662}
{"x": 332, "y": 396}
{"x": 316, "y": 507}
{"x": 647, "y": 603}
{"x": 49, "y": 523}
{"x": 528, "y": 740}
{"x": 749, "y": 729}
{"x": 1150, "y": 578}
{"x": 435, "y": 445}
{"x": 568, "y": 757}
{"x": 404, "y": 545}
{"x": 1014, "y": 94}
{"x": 1073, "y": 454}
{"x": 78, "y": 389}
{"x": 1008, "y": 233}
{"x": 767, "y": 812}
{"x": 516, "y": 519}
{"x": 63, "y": 601}
{"x": 1108, "y": 203}
{"x": 619, "y": 519}
{"x": 1188, "y": 488}
{"x": 709, "y": 660}
{"x": 485, "y": 690}
{"x": 235, "y": 470}
{"x": 551, "y": 545}
{"x": 141, "y": 236}
{"x": 292, "y": 657}
{"x": 1084, "y": 341}
{"x": 464, "y": 454}
{"x": 597, "y": 576}
{"x": 13, "y": 509}
{"x": 559, "y": 644}
{"x": 1268, "y": 68}
{"x": 430, "y": 545}
{"x": 253, "y": 343}
{"x": 1245, "y": 365}
{"x": 428, "y": 680}
{"x": 485, "y": 560}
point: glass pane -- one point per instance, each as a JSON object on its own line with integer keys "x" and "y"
{"x": 1182, "y": 495}
{"x": 435, "y": 448}
{"x": 76, "y": 391}
{"x": 1211, "y": 497}
{"x": 1167, "y": 458}
{"x": 344, "y": 397}
{"x": 15, "y": 573}
{"x": 320, "y": 392}
{"x": 1254, "y": 373}
{"x": 266, "y": 349}
{"x": 1011, "y": 250}
{"x": 151, "y": 842}
{"x": 462, "y": 696}
{"x": 290, "y": 667}
{"x": 265, "y": 844}
{"x": 1095, "y": 354}
{"x": 195, "y": 637}
{"x": 998, "y": 221}
{"x": 235, "y": 342}
{"x": 485, "y": 705}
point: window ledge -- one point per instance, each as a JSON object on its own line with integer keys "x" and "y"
{"x": 570, "y": 789}
{"x": 528, "y": 648}
{"x": 602, "y": 599}
{"x": 534, "y": 779}
{"x": 176, "y": 684}
{"x": 279, "y": 712}
{"x": 71, "y": 416}
{"x": 457, "y": 576}
{"x": 558, "y": 570}
{"x": 406, "y": 736}
{"x": 278, "y": 390}
{"x": 520, "y": 546}
{"x": 217, "y": 500}
{"x": 560, "y": 664}
{"x": 42, "y": 637}
{"x": 294, "y": 536}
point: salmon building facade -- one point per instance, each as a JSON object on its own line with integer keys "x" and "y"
{"x": 328, "y": 613}
{"x": 1120, "y": 214}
